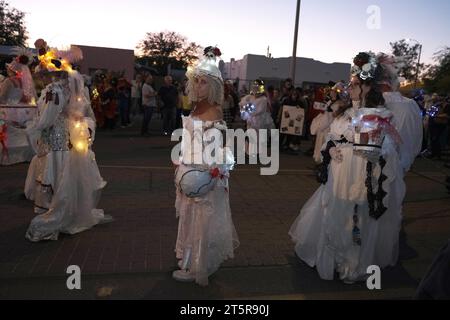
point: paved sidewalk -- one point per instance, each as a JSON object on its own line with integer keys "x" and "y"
{"x": 133, "y": 256}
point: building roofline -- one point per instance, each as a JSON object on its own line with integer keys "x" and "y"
{"x": 304, "y": 58}
{"x": 97, "y": 47}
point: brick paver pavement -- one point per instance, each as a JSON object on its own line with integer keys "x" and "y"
{"x": 140, "y": 197}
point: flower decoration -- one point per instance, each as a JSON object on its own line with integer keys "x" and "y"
{"x": 365, "y": 65}
{"x": 212, "y": 52}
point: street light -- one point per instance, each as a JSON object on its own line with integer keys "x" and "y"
{"x": 418, "y": 62}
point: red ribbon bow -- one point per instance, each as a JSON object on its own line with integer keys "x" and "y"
{"x": 215, "y": 173}
{"x": 385, "y": 124}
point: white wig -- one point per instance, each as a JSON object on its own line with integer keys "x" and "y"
{"x": 215, "y": 94}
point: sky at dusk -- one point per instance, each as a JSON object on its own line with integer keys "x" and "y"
{"x": 330, "y": 30}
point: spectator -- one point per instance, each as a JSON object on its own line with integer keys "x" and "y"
{"x": 234, "y": 95}
{"x": 275, "y": 104}
{"x": 183, "y": 99}
{"x": 148, "y": 103}
{"x": 168, "y": 94}
{"x": 109, "y": 102}
{"x": 136, "y": 96}
{"x": 227, "y": 105}
{"x": 291, "y": 143}
{"x": 438, "y": 122}
{"x": 123, "y": 98}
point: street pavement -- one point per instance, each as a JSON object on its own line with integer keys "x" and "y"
{"x": 133, "y": 257}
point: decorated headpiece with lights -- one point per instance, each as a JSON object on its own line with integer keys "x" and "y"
{"x": 208, "y": 64}
{"x": 53, "y": 60}
{"x": 20, "y": 67}
{"x": 207, "y": 67}
{"x": 258, "y": 87}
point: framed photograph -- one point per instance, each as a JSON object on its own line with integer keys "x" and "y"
{"x": 292, "y": 121}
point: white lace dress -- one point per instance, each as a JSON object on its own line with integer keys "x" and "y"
{"x": 205, "y": 228}
{"x": 324, "y": 231}
{"x": 64, "y": 184}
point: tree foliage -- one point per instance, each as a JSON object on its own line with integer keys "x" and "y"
{"x": 13, "y": 31}
{"x": 161, "y": 49}
{"x": 410, "y": 56}
{"x": 437, "y": 78}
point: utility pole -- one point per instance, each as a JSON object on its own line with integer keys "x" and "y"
{"x": 294, "y": 53}
{"x": 418, "y": 66}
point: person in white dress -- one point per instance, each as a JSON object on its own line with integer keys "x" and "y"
{"x": 255, "y": 111}
{"x": 63, "y": 178}
{"x": 353, "y": 220}
{"x": 407, "y": 113}
{"x": 320, "y": 126}
{"x": 259, "y": 116}
{"x": 17, "y": 109}
{"x": 206, "y": 233}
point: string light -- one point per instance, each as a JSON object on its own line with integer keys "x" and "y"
{"x": 247, "y": 110}
{"x": 433, "y": 112}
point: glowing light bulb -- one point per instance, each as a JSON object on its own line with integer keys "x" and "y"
{"x": 80, "y": 146}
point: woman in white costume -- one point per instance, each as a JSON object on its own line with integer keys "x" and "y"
{"x": 353, "y": 220}
{"x": 206, "y": 233}
{"x": 18, "y": 95}
{"x": 63, "y": 178}
{"x": 255, "y": 111}
{"x": 18, "y": 88}
{"x": 320, "y": 126}
{"x": 254, "y": 108}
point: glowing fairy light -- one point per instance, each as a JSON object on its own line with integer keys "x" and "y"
{"x": 247, "y": 110}
{"x": 95, "y": 93}
{"x": 433, "y": 112}
{"x": 81, "y": 147}
{"x": 79, "y": 136}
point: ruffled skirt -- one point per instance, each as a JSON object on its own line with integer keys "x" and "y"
{"x": 206, "y": 232}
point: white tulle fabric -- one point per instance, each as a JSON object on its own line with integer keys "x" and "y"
{"x": 320, "y": 127}
{"x": 205, "y": 225}
{"x": 409, "y": 124}
{"x": 65, "y": 185}
{"x": 323, "y": 231}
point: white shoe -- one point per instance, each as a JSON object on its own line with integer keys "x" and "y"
{"x": 183, "y": 276}
{"x": 348, "y": 281}
{"x": 106, "y": 219}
